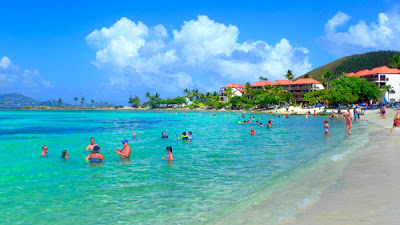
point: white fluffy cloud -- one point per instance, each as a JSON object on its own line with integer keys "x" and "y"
{"x": 379, "y": 35}
{"x": 13, "y": 79}
{"x": 201, "y": 54}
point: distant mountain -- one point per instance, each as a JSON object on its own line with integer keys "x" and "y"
{"x": 14, "y": 101}
{"x": 354, "y": 63}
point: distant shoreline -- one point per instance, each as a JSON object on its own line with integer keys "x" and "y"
{"x": 296, "y": 110}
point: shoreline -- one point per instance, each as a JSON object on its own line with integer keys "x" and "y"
{"x": 366, "y": 191}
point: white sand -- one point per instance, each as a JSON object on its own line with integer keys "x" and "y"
{"x": 368, "y": 190}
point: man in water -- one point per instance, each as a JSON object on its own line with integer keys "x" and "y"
{"x": 164, "y": 136}
{"x": 269, "y": 125}
{"x": 44, "y": 151}
{"x": 134, "y": 136}
{"x": 126, "y": 151}
{"x": 184, "y": 137}
{"x": 91, "y": 145}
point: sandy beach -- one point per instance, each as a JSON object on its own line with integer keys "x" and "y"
{"x": 367, "y": 190}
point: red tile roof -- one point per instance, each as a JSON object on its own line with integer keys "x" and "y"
{"x": 282, "y": 82}
{"x": 262, "y": 83}
{"x": 362, "y": 73}
{"x": 350, "y": 74}
{"x": 383, "y": 70}
{"x": 306, "y": 81}
{"x": 232, "y": 85}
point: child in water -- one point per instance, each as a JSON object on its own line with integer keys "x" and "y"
{"x": 253, "y": 132}
{"x": 327, "y": 129}
{"x": 170, "y": 156}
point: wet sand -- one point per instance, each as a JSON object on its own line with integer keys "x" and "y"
{"x": 367, "y": 192}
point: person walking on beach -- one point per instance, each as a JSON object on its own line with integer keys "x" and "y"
{"x": 383, "y": 112}
{"x": 349, "y": 124}
{"x": 44, "y": 151}
{"x": 126, "y": 151}
{"x": 170, "y": 156}
{"x": 91, "y": 145}
{"x": 327, "y": 129}
{"x": 396, "y": 122}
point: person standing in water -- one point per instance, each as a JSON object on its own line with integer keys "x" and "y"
{"x": 327, "y": 129}
{"x": 126, "y": 151}
{"x": 65, "y": 154}
{"x": 91, "y": 145}
{"x": 170, "y": 156}
{"x": 164, "y": 136}
{"x": 349, "y": 124}
{"x": 44, "y": 151}
{"x": 396, "y": 122}
{"x": 134, "y": 136}
{"x": 95, "y": 156}
{"x": 269, "y": 125}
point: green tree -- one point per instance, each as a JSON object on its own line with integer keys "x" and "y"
{"x": 92, "y": 101}
{"x": 328, "y": 76}
{"x": 261, "y": 78}
{"x": 388, "y": 89}
{"x": 59, "y": 101}
{"x": 229, "y": 92}
{"x": 135, "y": 102}
{"x": 307, "y": 76}
{"x": 76, "y": 100}
{"x": 82, "y": 101}
{"x": 289, "y": 75}
{"x": 395, "y": 61}
{"x": 247, "y": 90}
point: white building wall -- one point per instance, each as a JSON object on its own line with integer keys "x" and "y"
{"x": 394, "y": 81}
{"x": 319, "y": 86}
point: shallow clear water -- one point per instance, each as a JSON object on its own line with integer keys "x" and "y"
{"x": 223, "y": 168}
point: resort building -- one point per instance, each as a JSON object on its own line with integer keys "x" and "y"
{"x": 383, "y": 76}
{"x": 298, "y": 88}
{"x": 237, "y": 90}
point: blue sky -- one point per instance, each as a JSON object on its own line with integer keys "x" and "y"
{"x": 99, "y": 50}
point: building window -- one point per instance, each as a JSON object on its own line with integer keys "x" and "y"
{"x": 300, "y": 85}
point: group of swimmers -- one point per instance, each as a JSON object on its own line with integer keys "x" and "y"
{"x": 96, "y": 157}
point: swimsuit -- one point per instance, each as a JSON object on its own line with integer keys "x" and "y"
{"x": 326, "y": 130}
{"x": 168, "y": 157}
{"x": 396, "y": 122}
{"x": 93, "y": 160}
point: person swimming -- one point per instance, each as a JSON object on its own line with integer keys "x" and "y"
{"x": 44, "y": 151}
{"x": 170, "y": 156}
{"x": 252, "y": 131}
{"x": 261, "y": 125}
{"x": 134, "y": 136}
{"x": 190, "y": 135}
{"x": 327, "y": 129}
{"x": 164, "y": 136}
{"x": 184, "y": 137}
{"x": 95, "y": 156}
{"x": 65, "y": 154}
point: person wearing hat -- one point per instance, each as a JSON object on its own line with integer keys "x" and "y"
{"x": 126, "y": 151}
{"x": 95, "y": 156}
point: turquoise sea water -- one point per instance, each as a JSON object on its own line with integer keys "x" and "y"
{"x": 224, "y": 170}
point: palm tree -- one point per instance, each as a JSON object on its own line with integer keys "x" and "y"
{"x": 327, "y": 76}
{"x": 395, "y": 61}
{"x": 148, "y": 95}
{"x": 76, "y": 100}
{"x": 215, "y": 93}
{"x": 92, "y": 101}
{"x": 289, "y": 75}
{"x": 82, "y": 101}
{"x": 247, "y": 89}
{"x": 389, "y": 89}
{"x": 229, "y": 92}
{"x": 156, "y": 96}
{"x": 59, "y": 101}
{"x": 307, "y": 76}
{"x": 261, "y": 78}
{"x": 186, "y": 92}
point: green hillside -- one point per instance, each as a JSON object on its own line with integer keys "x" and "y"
{"x": 354, "y": 63}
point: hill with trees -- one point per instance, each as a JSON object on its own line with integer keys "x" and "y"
{"x": 353, "y": 63}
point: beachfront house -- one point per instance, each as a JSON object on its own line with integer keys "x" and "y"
{"x": 298, "y": 87}
{"x": 383, "y": 76}
{"x": 237, "y": 90}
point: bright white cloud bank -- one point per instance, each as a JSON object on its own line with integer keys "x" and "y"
{"x": 13, "y": 79}
{"x": 380, "y": 35}
{"x": 203, "y": 54}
